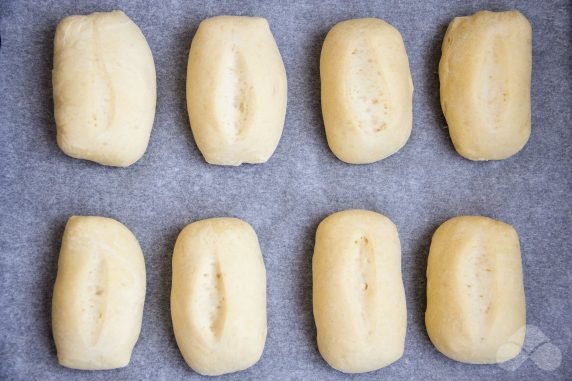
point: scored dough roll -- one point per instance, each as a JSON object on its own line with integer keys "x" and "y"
{"x": 104, "y": 88}
{"x": 218, "y": 298}
{"x": 475, "y": 293}
{"x": 485, "y": 73}
{"x": 236, "y": 90}
{"x": 97, "y": 306}
{"x": 367, "y": 90}
{"x": 359, "y": 300}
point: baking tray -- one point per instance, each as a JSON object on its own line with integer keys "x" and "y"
{"x": 420, "y": 187}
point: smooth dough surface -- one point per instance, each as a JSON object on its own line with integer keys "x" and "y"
{"x": 218, "y": 297}
{"x": 475, "y": 294}
{"x": 104, "y": 88}
{"x": 485, "y": 73}
{"x": 358, "y": 295}
{"x": 236, "y": 90}
{"x": 366, "y": 90}
{"x": 97, "y": 306}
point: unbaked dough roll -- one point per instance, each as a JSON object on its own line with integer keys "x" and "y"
{"x": 475, "y": 293}
{"x": 359, "y": 301}
{"x": 236, "y": 90}
{"x": 218, "y": 298}
{"x": 97, "y": 305}
{"x": 485, "y": 72}
{"x": 366, "y": 90}
{"x": 104, "y": 88}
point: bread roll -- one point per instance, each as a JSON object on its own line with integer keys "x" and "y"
{"x": 236, "y": 90}
{"x": 97, "y": 306}
{"x": 104, "y": 88}
{"x": 366, "y": 90}
{"x": 218, "y": 298}
{"x": 359, "y": 301}
{"x": 475, "y": 294}
{"x": 485, "y": 72}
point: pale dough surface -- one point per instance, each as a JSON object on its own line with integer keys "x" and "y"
{"x": 236, "y": 90}
{"x": 104, "y": 88}
{"x": 218, "y": 296}
{"x": 97, "y": 305}
{"x": 358, "y": 295}
{"x": 476, "y": 310}
{"x": 485, "y": 74}
{"x": 367, "y": 90}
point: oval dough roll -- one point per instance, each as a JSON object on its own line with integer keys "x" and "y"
{"x": 236, "y": 90}
{"x": 366, "y": 90}
{"x": 104, "y": 88}
{"x": 97, "y": 306}
{"x": 218, "y": 298}
{"x": 359, "y": 301}
{"x": 485, "y": 72}
{"x": 475, "y": 293}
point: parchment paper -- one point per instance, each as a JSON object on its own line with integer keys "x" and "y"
{"x": 419, "y": 188}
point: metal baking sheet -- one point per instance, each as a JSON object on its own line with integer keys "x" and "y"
{"x": 423, "y": 185}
